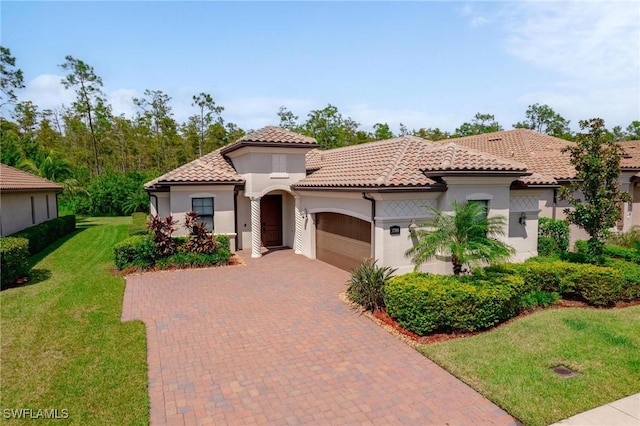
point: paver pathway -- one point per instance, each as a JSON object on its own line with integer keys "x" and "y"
{"x": 271, "y": 343}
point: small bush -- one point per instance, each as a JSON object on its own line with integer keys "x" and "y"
{"x": 45, "y": 233}
{"x": 596, "y": 285}
{"x": 188, "y": 260}
{"x": 200, "y": 241}
{"x": 138, "y": 224}
{"x": 366, "y": 283}
{"x": 631, "y": 273}
{"x": 14, "y": 260}
{"x": 539, "y": 299}
{"x": 162, "y": 230}
{"x": 138, "y": 250}
{"x": 629, "y": 239}
{"x": 553, "y": 236}
{"x": 426, "y": 303}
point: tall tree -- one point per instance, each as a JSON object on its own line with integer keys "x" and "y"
{"x": 11, "y": 78}
{"x": 633, "y": 131}
{"x": 90, "y": 100}
{"x": 543, "y": 119}
{"x": 595, "y": 194}
{"x": 467, "y": 235}
{"x": 208, "y": 113}
{"x": 381, "y": 131}
{"x": 158, "y": 115}
{"x": 26, "y": 115}
{"x": 288, "y": 120}
{"x": 431, "y": 134}
{"x": 330, "y": 128}
{"x": 481, "y": 123}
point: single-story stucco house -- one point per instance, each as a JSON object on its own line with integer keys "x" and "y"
{"x": 273, "y": 187}
{"x": 25, "y": 200}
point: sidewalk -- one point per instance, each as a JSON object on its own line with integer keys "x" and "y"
{"x": 623, "y": 412}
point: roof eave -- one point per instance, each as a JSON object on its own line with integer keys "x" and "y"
{"x": 236, "y": 146}
{"x": 488, "y": 173}
{"x": 437, "y": 187}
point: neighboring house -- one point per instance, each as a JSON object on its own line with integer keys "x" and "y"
{"x": 273, "y": 188}
{"x": 25, "y": 200}
{"x": 543, "y": 156}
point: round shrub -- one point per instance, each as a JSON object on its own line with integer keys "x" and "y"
{"x": 426, "y": 303}
{"x": 138, "y": 250}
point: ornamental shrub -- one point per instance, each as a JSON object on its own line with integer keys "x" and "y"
{"x": 553, "y": 236}
{"x": 631, "y": 273}
{"x": 138, "y": 250}
{"x": 45, "y": 233}
{"x": 425, "y": 303}
{"x": 366, "y": 284}
{"x": 14, "y": 260}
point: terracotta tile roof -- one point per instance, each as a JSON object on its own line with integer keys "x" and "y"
{"x": 541, "y": 153}
{"x": 269, "y": 136}
{"x": 397, "y": 162}
{"x": 449, "y": 158}
{"x": 12, "y": 179}
{"x": 212, "y": 167}
{"x": 632, "y": 159}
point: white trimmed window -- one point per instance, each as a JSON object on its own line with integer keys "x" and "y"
{"x": 204, "y": 208}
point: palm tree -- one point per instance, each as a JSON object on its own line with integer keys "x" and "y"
{"x": 467, "y": 236}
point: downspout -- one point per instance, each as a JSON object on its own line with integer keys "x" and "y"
{"x": 235, "y": 216}
{"x": 555, "y": 201}
{"x": 373, "y": 223}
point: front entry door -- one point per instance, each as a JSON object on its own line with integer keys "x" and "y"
{"x": 271, "y": 218}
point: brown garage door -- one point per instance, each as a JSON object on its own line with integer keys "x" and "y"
{"x": 341, "y": 240}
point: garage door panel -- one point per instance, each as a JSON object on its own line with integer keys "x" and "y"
{"x": 341, "y": 240}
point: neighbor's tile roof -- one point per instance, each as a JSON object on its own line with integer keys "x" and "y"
{"x": 632, "y": 149}
{"x": 12, "y": 179}
{"x": 541, "y": 153}
{"x": 212, "y": 167}
{"x": 271, "y": 135}
{"x": 397, "y": 162}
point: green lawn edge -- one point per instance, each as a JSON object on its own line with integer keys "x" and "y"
{"x": 511, "y": 365}
{"x": 63, "y": 343}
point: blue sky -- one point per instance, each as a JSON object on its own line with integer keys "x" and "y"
{"x": 425, "y": 64}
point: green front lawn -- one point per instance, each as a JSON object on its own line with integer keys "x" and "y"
{"x": 63, "y": 344}
{"x": 511, "y": 364}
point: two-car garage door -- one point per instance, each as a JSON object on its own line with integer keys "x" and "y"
{"x": 341, "y": 240}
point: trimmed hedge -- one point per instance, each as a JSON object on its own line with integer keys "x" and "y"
{"x": 610, "y": 250}
{"x": 45, "y": 233}
{"x": 631, "y": 273}
{"x": 425, "y": 303}
{"x": 138, "y": 224}
{"x": 140, "y": 251}
{"x": 14, "y": 260}
{"x": 596, "y": 285}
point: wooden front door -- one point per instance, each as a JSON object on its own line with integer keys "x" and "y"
{"x": 271, "y": 218}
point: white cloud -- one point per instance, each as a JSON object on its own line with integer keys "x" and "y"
{"x": 592, "y": 49}
{"x": 256, "y": 112}
{"x": 475, "y": 18}
{"x": 47, "y": 92}
{"x": 121, "y": 101}
{"x": 586, "y": 40}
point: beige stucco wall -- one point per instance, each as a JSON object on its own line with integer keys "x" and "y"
{"x": 180, "y": 203}
{"x": 255, "y": 164}
{"x": 400, "y": 208}
{"x": 15, "y": 210}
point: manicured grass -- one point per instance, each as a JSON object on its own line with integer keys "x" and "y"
{"x": 511, "y": 365}
{"x": 63, "y": 344}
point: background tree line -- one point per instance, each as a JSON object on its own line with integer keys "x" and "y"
{"x": 102, "y": 159}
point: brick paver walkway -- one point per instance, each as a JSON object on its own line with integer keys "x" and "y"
{"x": 271, "y": 343}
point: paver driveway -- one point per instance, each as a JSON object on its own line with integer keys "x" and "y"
{"x": 271, "y": 343}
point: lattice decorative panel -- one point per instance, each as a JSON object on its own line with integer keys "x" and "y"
{"x": 407, "y": 208}
{"x": 524, "y": 204}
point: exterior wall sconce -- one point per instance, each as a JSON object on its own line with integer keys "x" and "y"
{"x": 303, "y": 213}
{"x": 413, "y": 227}
{"x": 523, "y": 219}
